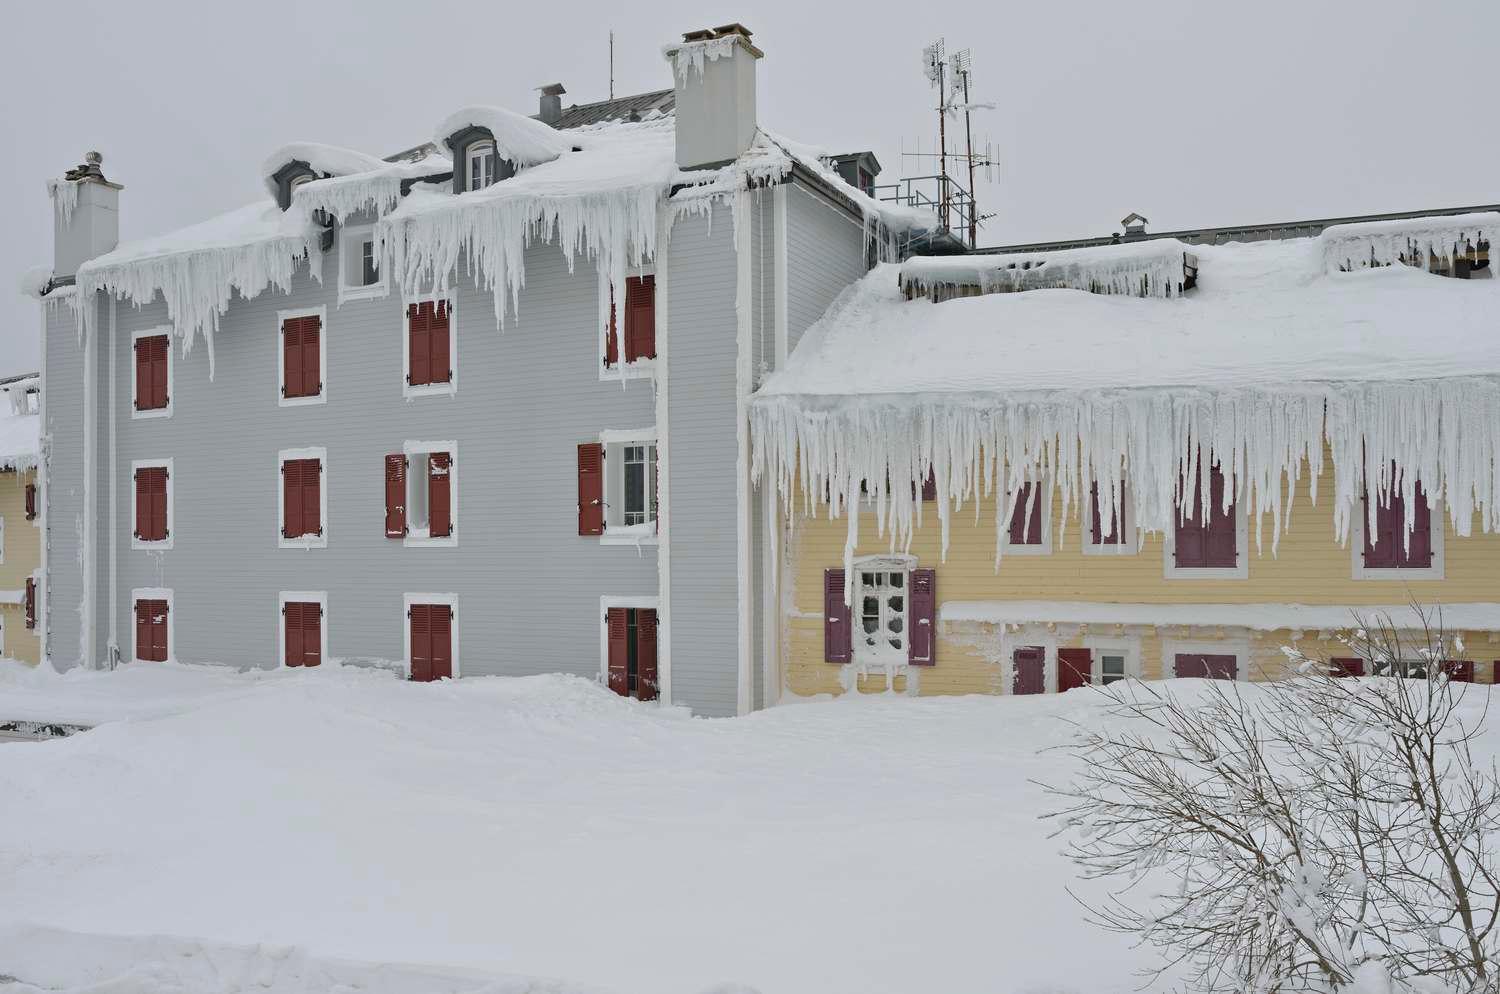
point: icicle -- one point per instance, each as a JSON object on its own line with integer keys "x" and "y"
{"x": 64, "y": 194}
{"x": 1142, "y": 269}
{"x": 692, "y": 56}
{"x": 1432, "y": 243}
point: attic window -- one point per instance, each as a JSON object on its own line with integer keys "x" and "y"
{"x": 480, "y": 159}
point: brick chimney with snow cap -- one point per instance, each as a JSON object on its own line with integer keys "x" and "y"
{"x": 713, "y": 82}
{"x": 85, "y": 216}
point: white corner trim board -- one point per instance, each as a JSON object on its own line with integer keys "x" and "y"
{"x": 282, "y": 317}
{"x": 319, "y": 597}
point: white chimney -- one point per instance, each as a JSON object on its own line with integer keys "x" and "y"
{"x": 713, "y": 77}
{"x": 85, "y": 216}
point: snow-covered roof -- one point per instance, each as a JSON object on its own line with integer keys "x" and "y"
{"x": 329, "y": 159}
{"x": 20, "y": 437}
{"x": 523, "y": 140}
{"x": 1275, "y": 354}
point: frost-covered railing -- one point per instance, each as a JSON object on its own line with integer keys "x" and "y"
{"x": 1456, "y": 245}
{"x": 1443, "y": 432}
{"x": 1153, "y": 268}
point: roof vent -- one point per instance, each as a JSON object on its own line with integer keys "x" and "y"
{"x": 92, "y": 166}
{"x": 1135, "y": 225}
{"x": 551, "y": 108}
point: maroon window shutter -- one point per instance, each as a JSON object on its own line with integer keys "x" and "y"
{"x": 395, "y": 495}
{"x": 1419, "y": 552}
{"x": 31, "y": 602}
{"x": 1379, "y": 548}
{"x": 151, "y": 503}
{"x": 291, "y": 614}
{"x": 31, "y": 502}
{"x": 611, "y": 336}
{"x": 151, "y": 630}
{"x": 1221, "y": 542}
{"x": 929, "y": 485}
{"x": 1115, "y": 534}
{"x": 312, "y": 494}
{"x": 312, "y": 347}
{"x": 142, "y": 374}
{"x": 143, "y": 629}
{"x": 1346, "y": 666}
{"x": 159, "y": 360}
{"x": 151, "y": 373}
{"x": 921, "y": 642}
{"x": 1459, "y": 670}
{"x": 439, "y": 495}
{"x": 1075, "y": 668}
{"x": 439, "y": 337}
{"x": 1026, "y": 528}
{"x": 291, "y": 358}
{"x": 640, "y": 318}
{"x": 421, "y": 642}
{"x": 291, "y": 498}
{"x": 442, "y": 641}
{"x": 645, "y": 654}
{"x": 591, "y": 489}
{"x": 302, "y": 487}
{"x": 837, "y": 632}
{"x": 1204, "y": 666}
{"x": 619, "y": 650}
{"x": 419, "y": 339}
{"x": 1030, "y": 671}
{"x": 142, "y": 506}
{"x": 312, "y": 634}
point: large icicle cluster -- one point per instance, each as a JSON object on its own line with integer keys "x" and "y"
{"x": 1142, "y": 269}
{"x": 691, "y": 56}
{"x": 327, "y": 160}
{"x": 64, "y": 194}
{"x": 1432, "y": 242}
{"x": 1443, "y": 432}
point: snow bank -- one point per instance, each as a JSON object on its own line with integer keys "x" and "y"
{"x": 521, "y": 139}
{"x": 1152, "y": 268}
{"x": 1271, "y": 359}
{"x": 1424, "y": 242}
{"x": 33, "y": 282}
{"x": 329, "y": 159}
{"x": 199, "y": 269}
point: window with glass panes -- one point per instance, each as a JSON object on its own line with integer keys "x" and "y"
{"x": 640, "y": 489}
{"x": 368, "y": 275}
{"x": 882, "y": 613}
{"x": 1111, "y": 668}
{"x": 481, "y": 157}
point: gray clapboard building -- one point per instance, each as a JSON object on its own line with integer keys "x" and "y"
{"x": 303, "y": 432}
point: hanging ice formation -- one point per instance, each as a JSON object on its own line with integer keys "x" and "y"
{"x": 64, "y": 194}
{"x": 1438, "y": 244}
{"x": 1153, "y": 268}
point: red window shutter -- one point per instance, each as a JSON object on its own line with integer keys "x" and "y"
{"x": 1075, "y": 668}
{"x": 142, "y": 374}
{"x": 1209, "y": 537}
{"x": 1026, "y": 517}
{"x": 302, "y": 488}
{"x": 291, "y": 498}
{"x": 1206, "y": 666}
{"x": 159, "y": 360}
{"x": 31, "y": 502}
{"x": 439, "y": 495}
{"x": 1459, "y": 670}
{"x": 151, "y": 503}
{"x": 1114, "y": 536}
{"x": 929, "y": 485}
{"x": 645, "y": 654}
{"x": 151, "y": 630}
{"x": 395, "y": 495}
{"x": 439, "y": 336}
{"x": 618, "y": 624}
{"x": 640, "y": 318}
{"x": 151, "y": 372}
{"x": 921, "y": 643}
{"x": 312, "y": 348}
{"x": 1346, "y": 666}
{"x": 1221, "y": 541}
{"x": 159, "y": 632}
{"x": 312, "y": 494}
{"x": 419, "y": 343}
{"x": 441, "y": 616}
{"x": 143, "y": 629}
{"x": 291, "y": 358}
{"x": 420, "y": 616}
{"x": 312, "y": 634}
{"x": 31, "y": 602}
{"x": 1380, "y": 549}
{"x": 291, "y": 615}
{"x": 591, "y": 489}
{"x": 1030, "y": 670}
{"x": 1419, "y": 553}
{"x": 611, "y": 336}
{"x": 838, "y": 634}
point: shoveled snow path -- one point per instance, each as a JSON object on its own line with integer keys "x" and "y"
{"x": 542, "y": 827}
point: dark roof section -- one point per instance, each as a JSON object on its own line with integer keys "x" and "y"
{"x": 619, "y": 109}
{"x": 1236, "y": 233}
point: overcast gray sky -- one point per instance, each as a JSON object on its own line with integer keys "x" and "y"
{"x": 1193, "y": 114}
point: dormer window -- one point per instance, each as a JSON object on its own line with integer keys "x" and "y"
{"x": 481, "y": 164}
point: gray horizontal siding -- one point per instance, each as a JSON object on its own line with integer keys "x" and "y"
{"x": 825, "y": 252}
{"x": 63, "y": 392}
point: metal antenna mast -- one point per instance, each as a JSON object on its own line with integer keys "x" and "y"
{"x": 611, "y": 65}
{"x": 961, "y": 69}
{"x": 935, "y": 64}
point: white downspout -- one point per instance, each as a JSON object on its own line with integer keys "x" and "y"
{"x": 112, "y": 650}
{"x": 663, "y": 461}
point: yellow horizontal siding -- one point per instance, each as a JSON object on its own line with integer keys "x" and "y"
{"x": 22, "y": 556}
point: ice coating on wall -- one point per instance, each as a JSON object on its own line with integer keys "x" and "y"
{"x": 1152, "y": 268}
{"x": 200, "y": 269}
{"x": 1445, "y": 432}
{"x": 1431, "y": 242}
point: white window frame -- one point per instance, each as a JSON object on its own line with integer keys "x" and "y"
{"x": 478, "y": 149}
{"x": 608, "y": 601}
{"x": 414, "y": 448}
{"x": 449, "y": 389}
{"x": 1026, "y": 635}
{"x": 303, "y": 541}
{"x": 407, "y": 600}
{"x": 320, "y": 597}
{"x": 154, "y": 594}
{"x": 1128, "y": 647}
{"x": 613, "y": 480}
{"x": 886, "y": 563}
{"x": 1132, "y": 536}
{"x": 1235, "y": 645}
{"x": 1359, "y": 571}
{"x": 1021, "y": 549}
{"x": 282, "y": 317}
{"x": 136, "y": 414}
{"x": 351, "y": 256}
{"x": 166, "y": 543}
{"x": 636, "y": 369}
{"x": 1239, "y": 571}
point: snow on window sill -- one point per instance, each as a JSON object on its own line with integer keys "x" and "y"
{"x": 418, "y": 538}
{"x": 638, "y": 369}
{"x": 430, "y": 389}
{"x": 643, "y": 534}
{"x": 370, "y": 292}
{"x": 303, "y": 541}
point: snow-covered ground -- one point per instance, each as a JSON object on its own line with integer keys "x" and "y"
{"x": 286, "y": 832}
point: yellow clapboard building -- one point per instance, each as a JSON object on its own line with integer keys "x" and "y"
{"x": 20, "y": 531}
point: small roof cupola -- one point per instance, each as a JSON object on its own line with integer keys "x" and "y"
{"x": 286, "y": 179}
{"x": 1135, "y": 226}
